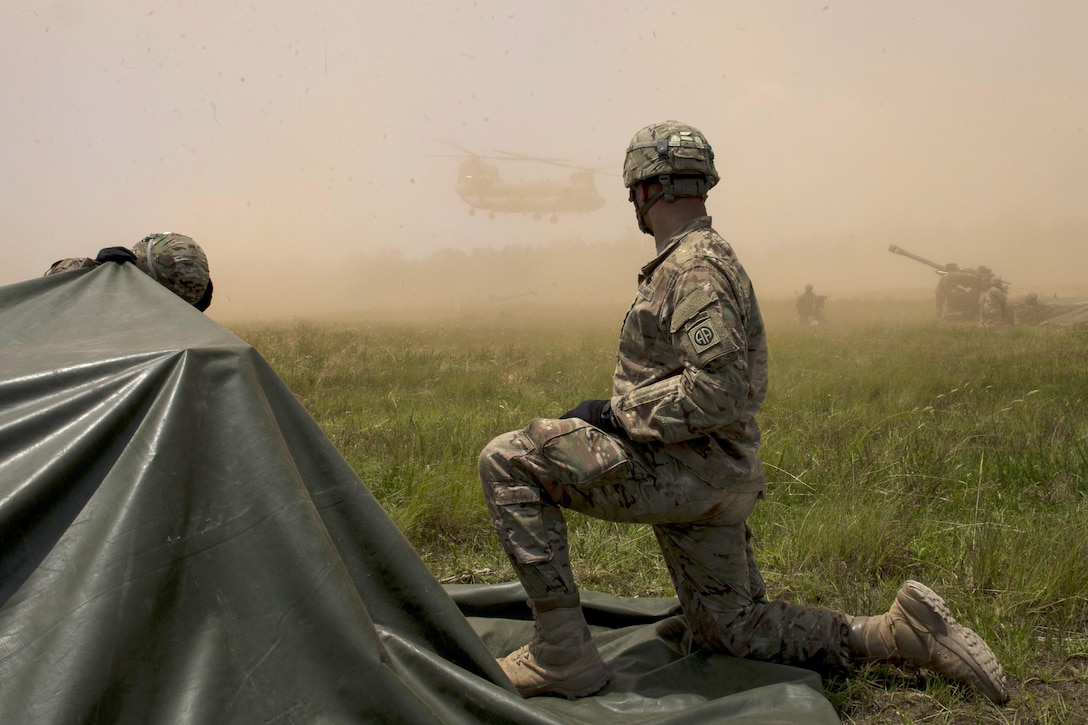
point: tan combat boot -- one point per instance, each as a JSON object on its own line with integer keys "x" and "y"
{"x": 561, "y": 659}
{"x": 918, "y": 628}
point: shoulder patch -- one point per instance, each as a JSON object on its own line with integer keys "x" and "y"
{"x": 702, "y": 327}
{"x": 706, "y": 334}
{"x": 689, "y": 307}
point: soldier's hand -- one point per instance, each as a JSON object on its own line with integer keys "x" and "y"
{"x": 116, "y": 254}
{"x": 597, "y": 413}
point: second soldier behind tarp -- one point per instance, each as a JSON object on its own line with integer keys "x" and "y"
{"x": 173, "y": 260}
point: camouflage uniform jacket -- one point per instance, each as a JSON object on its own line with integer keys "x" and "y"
{"x": 66, "y": 265}
{"x": 691, "y": 371}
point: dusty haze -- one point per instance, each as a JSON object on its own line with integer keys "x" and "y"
{"x": 300, "y": 143}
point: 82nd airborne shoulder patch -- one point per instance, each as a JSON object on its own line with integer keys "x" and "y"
{"x": 703, "y": 326}
{"x": 704, "y": 336}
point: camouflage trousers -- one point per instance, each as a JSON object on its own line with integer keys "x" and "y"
{"x": 530, "y": 476}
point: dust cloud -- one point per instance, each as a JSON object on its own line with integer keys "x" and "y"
{"x": 312, "y": 148}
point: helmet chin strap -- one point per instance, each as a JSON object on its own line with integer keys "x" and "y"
{"x": 671, "y": 187}
{"x": 146, "y": 241}
{"x": 641, "y": 209}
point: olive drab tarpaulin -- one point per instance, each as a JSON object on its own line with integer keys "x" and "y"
{"x": 180, "y": 543}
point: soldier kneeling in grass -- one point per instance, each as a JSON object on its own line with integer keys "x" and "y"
{"x": 676, "y": 447}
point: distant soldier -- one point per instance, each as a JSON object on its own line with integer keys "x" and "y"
{"x": 1030, "y": 311}
{"x": 994, "y": 305}
{"x": 810, "y": 307}
{"x": 173, "y": 260}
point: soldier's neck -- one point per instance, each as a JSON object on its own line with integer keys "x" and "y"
{"x": 666, "y": 218}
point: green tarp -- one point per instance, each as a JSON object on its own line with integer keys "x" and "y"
{"x": 1067, "y": 313}
{"x": 180, "y": 543}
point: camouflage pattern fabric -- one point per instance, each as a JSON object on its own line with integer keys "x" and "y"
{"x": 176, "y": 262}
{"x": 691, "y": 374}
{"x": 691, "y": 371}
{"x": 66, "y": 265}
{"x": 669, "y": 148}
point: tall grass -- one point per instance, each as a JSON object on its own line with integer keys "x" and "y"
{"x": 895, "y": 448}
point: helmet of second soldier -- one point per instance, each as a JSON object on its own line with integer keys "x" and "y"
{"x": 176, "y": 262}
{"x": 672, "y": 149}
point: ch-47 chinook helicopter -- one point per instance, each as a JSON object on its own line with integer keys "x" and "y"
{"x": 481, "y": 186}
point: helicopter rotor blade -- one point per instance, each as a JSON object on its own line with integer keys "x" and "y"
{"x": 522, "y": 157}
{"x": 603, "y": 171}
{"x": 557, "y": 162}
{"x": 512, "y": 156}
{"x": 460, "y": 148}
{"x": 467, "y": 154}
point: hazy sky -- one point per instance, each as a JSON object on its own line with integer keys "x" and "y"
{"x": 273, "y": 132}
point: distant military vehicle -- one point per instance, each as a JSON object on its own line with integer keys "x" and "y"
{"x": 959, "y": 288}
{"x": 480, "y": 185}
{"x": 1053, "y": 312}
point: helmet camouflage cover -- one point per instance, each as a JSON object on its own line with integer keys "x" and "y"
{"x": 670, "y": 149}
{"x": 176, "y": 262}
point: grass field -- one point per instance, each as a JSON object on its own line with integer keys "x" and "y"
{"x": 895, "y": 447}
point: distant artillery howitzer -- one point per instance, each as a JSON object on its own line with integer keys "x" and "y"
{"x": 942, "y": 268}
{"x": 960, "y": 289}
{"x": 977, "y": 278}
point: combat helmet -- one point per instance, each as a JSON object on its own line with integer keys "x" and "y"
{"x": 671, "y": 149}
{"x": 674, "y": 154}
{"x": 176, "y": 262}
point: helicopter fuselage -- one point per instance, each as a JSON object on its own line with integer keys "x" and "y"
{"x": 481, "y": 187}
{"x": 494, "y": 194}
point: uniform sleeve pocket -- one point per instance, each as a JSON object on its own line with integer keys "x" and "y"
{"x": 703, "y": 334}
{"x": 689, "y": 307}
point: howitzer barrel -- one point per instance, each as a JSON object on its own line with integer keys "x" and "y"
{"x": 899, "y": 250}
